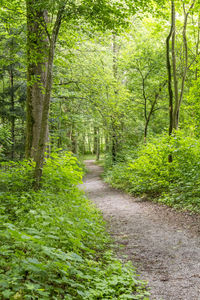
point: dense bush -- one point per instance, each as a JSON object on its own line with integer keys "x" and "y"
{"x": 5, "y": 142}
{"x": 149, "y": 173}
{"x": 53, "y": 244}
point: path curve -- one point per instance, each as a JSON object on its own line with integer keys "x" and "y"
{"x": 163, "y": 244}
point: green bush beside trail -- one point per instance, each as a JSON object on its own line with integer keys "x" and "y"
{"x": 148, "y": 172}
{"x": 53, "y": 243}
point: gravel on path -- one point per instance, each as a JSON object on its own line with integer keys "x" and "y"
{"x": 163, "y": 244}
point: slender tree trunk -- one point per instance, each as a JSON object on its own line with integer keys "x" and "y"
{"x": 83, "y": 144}
{"x": 74, "y": 142}
{"x": 102, "y": 143}
{"x": 174, "y": 112}
{"x": 115, "y": 71}
{"x": 185, "y": 60}
{"x": 178, "y": 98}
{"x": 59, "y": 126}
{"x": 175, "y": 79}
{"x": 145, "y": 106}
{"x": 98, "y": 145}
{"x": 107, "y": 148}
{"x": 95, "y": 141}
{"x": 12, "y": 102}
{"x": 89, "y": 143}
{"x": 197, "y": 45}
{"x": 114, "y": 148}
{"x": 152, "y": 109}
{"x": 148, "y": 119}
{"x": 169, "y": 72}
{"x": 22, "y": 139}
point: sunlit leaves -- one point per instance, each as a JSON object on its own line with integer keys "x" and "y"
{"x": 56, "y": 245}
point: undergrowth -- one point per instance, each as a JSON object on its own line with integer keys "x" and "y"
{"x": 53, "y": 243}
{"x": 148, "y": 173}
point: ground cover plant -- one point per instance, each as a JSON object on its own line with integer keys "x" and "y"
{"x": 53, "y": 243}
{"x": 148, "y": 172}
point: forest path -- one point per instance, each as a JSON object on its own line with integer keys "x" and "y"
{"x": 163, "y": 244}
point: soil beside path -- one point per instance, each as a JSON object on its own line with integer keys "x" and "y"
{"x": 163, "y": 244}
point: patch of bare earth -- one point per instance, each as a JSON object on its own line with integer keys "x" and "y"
{"x": 162, "y": 243}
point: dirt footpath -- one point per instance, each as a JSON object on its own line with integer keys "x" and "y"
{"x": 163, "y": 244}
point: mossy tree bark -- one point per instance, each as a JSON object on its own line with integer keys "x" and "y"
{"x": 36, "y": 74}
{"x": 47, "y": 96}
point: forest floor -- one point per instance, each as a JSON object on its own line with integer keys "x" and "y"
{"x": 163, "y": 244}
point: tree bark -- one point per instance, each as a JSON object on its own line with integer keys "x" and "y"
{"x": 147, "y": 120}
{"x": 169, "y": 73}
{"x": 12, "y": 102}
{"x": 95, "y": 142}
{"x": 98, "y": 145}
{"x": 185, "y": 62}
{"x": 47, "y": 97}
{"x": 174, "y": 108}
{"x": 74, "y": 143}
{"x": 36, "y": 75}
{"x": 115, "y": 71}
{"x": 175, "y": 79}
{"x": 197, "y": 45}
{"x": 114, "y": 148}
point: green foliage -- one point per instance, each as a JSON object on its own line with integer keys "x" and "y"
{"x": 16, "y": 177}
{"x": 61, "y": 173}
{"x": 53, "y": 243}
{"x": 149, "y": 173}
{"x": 5, "y": 141}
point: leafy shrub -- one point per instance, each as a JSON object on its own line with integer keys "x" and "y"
{"x": 61, "y": 172}
{"x": 53, "y": 243}
{"x": 176, "y": 183}
{"x": 5, "y": 141}
{"x": 16, "y": 176}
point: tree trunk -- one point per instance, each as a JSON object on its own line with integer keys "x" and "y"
{"x": 46, "y": 102}
{"x": 74, "y": 142}
{"x": 44, "y": 124}
{"x": 197, "y": 46}
{"x": 175, "y": 79}
{"x": 114, "y": 148}
{"x": 152, "y": 109}
{"x": 115, "y": 71}
{"x": 95, "y": 141}
{"x": 175, "y": 111}
{"x": 169, "y": 72}
{"x": 59, "y": 142}
{"x": 98, "y": 145}
{"x": 12, "y": 102}
{"x": 36, "y": 75}
{"x": 107, "y": 146}
{"x": 185, "y": 60}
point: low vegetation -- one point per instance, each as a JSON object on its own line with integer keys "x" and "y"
{"x": 53, "y": 243}
{"x": 146, "y": 172}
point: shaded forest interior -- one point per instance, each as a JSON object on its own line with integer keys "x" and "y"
{"x": 118, "y": 80}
